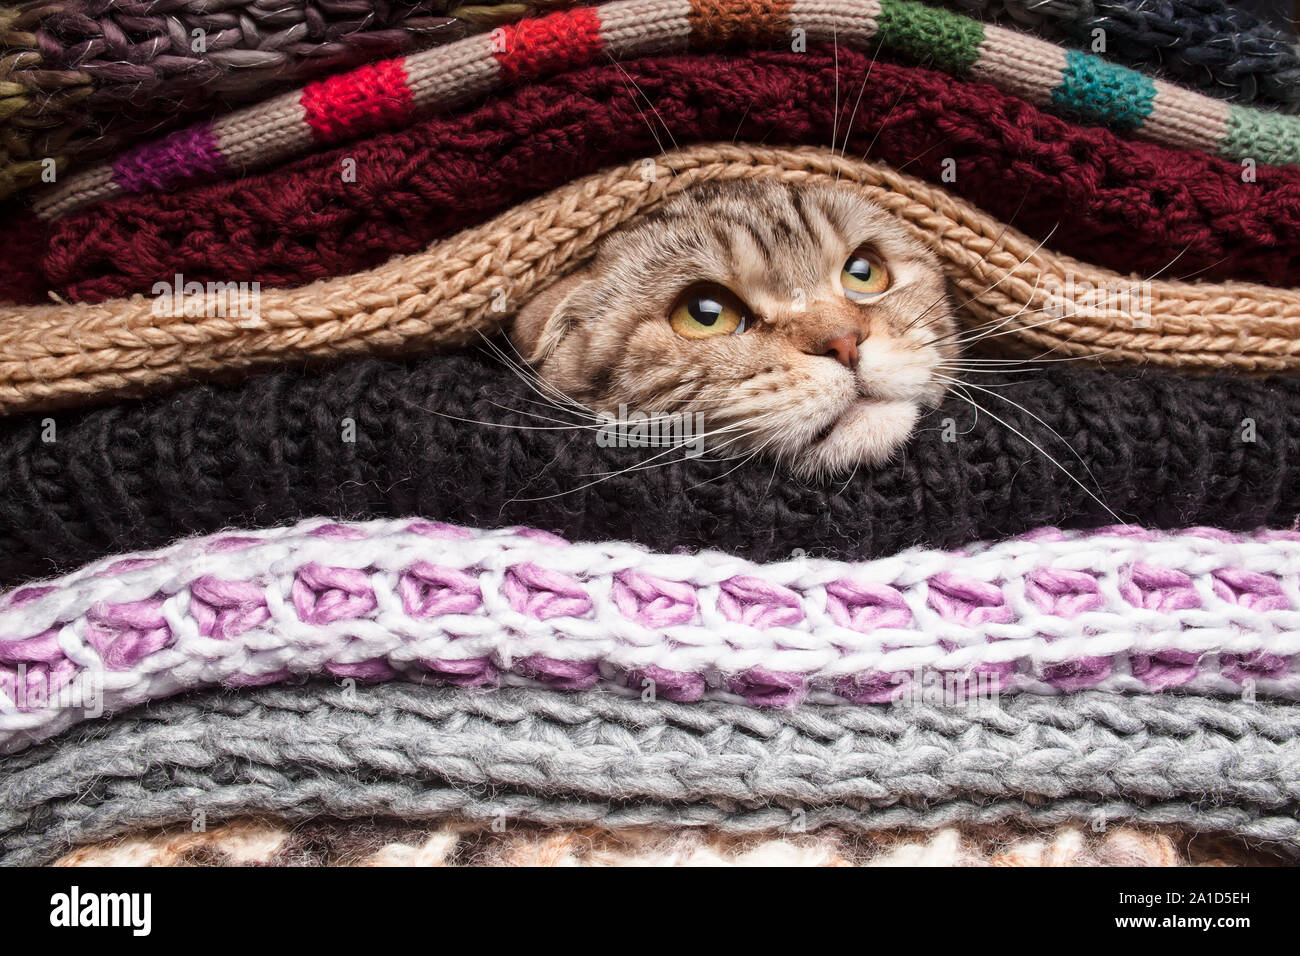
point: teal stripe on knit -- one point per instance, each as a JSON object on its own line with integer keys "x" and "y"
{"x": 1102, "y": 92}
{"x": 1267, "y": 138}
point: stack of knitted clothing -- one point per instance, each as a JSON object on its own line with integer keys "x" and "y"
{"x": 301, "y": 567}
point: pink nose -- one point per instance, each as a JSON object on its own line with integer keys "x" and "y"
{"x": 844, "y": 348}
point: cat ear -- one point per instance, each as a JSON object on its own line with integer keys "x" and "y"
{"x": 541, "y": 323}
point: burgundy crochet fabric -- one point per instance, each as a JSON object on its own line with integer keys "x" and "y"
{"x": 1112, "y": 201}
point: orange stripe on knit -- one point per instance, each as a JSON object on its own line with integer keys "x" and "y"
{"x": 739, "y": 22}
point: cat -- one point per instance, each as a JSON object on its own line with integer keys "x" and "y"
{"x": 801, "y": 320}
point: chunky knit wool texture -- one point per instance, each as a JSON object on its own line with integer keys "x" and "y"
{"x": 1220, "y": 49}
{"x": 1118, "y": 203}
{"x": 1121, "y": 610}
{"x": 394, "y": 92}
{"x": 597, "y": 759}
{"x": 469, "y": 285}
{"x": 450, "y": 439}
{"x": 396, "y": 843}
{"x": 80, "y": 79}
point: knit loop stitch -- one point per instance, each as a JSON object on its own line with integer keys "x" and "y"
{"x": 81, "y": 79}
{"x": 1223, "y": 50}
{"x": 1114, "y": 201}
{"x": 590, "y": 758}
{"x": 454, "y": 438}
{"x": 452, "y": 293}
{"x": 1076, "y": 84}
{"x": 1121, "y": 609}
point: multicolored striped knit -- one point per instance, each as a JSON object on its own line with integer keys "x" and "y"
{"x": 392, "y": 93}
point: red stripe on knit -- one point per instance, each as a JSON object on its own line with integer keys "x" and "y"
{"x": 542, "y": 45}
{"x": 366, "y": 100}
{"x": 1108, "y": 199}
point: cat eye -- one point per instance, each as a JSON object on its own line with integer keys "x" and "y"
{"x": 864, "y": 275}
{"x": 704, "y": 311}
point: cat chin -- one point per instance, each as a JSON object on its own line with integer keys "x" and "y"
{"x": 869, "y": 433}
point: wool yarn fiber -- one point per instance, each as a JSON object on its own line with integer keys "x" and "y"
{"x": 397, "y": 843}
{"x": 84, "y": 78}
{"x": 1122, "y": 610}
{"x": 1102, "y": 198}
{"x": 393, "y": 93}
{"x": 1163, "y": 450}
{"x": 595, "y": 759}
{"x": 1216, "y": 47}
{"x": 470, "y": 285}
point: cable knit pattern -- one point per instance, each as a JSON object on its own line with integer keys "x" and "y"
{"x": 471, "y": 284}
{"x": 80, "y": 79}
{"x": 592, "y": 758}
{"x": 454, "y": 439}
{"x": 1118, "y": 203}
{"x": 1223, "y": 50}
{"x": 1079, "y": 85}
{"x": 1121, "y": 609}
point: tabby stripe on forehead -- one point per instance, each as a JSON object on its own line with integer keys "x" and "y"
{"x": 739, "y": 22}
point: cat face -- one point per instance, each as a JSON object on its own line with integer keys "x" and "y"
{"x": 802, "y": 321}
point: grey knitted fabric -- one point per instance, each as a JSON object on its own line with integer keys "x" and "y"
{"x": 569, "y": 758}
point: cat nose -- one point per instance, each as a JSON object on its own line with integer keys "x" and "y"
{"x": 845, "y": 349}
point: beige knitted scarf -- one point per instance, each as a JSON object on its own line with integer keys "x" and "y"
{"x": 474, "y": 281}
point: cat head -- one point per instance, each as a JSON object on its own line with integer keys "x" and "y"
{"x": 801, "y": 320}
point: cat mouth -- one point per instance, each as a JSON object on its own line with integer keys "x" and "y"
{"x": 862, "y": 401}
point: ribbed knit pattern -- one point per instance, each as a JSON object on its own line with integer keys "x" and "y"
{"x": 551, "y": 758}
{"x": 1117, "y": 203}
{"x": 470, "y": 285}
{"x": 451, "y": 76}
{"x": 1220, "y": 49}
{"x": 1164, "y": 451}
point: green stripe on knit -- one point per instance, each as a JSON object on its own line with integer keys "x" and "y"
{"x": 931, "y": 35}
{"x": 1102, "y": 92}
{"x": 1267, "y": 138}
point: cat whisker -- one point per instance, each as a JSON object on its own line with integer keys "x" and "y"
{"x": 539, "y": 386}
{"x": 958, "y": 390}
{"x": 654, "y": 109}
{"x": 848, "y": 132}
{"x": 1005, "y": 275}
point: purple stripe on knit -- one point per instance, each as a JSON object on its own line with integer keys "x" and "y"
{"x": 1165, "y": 670}
{"x": 543, "y": 593}
{"x": 1080, "y": 674}
{"x": 865, "y": 607}
{"x": 26, "y": 595}
{"x": 226, "y": 609}
{"x": 468, "y": 672}
{"x": 758, "y": 603}
{"x": 874, "y": 687}
{"x": 125, "y": 634}
{"x": 1256, "y": 665}
{"x": 185, "y": 155}
{"x": 371, "y": 670}
{"x": 560, "y": 675}
{"x": 654, "y": 602}
{"x": 677, "y": 686}
{"x": 767, "y": 688}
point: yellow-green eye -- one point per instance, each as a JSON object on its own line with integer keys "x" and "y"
{"x": 864, "y": 275}
{"x": 704, "y": 311}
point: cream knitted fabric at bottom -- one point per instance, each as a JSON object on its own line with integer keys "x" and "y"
{"x": 252, "y": 841}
